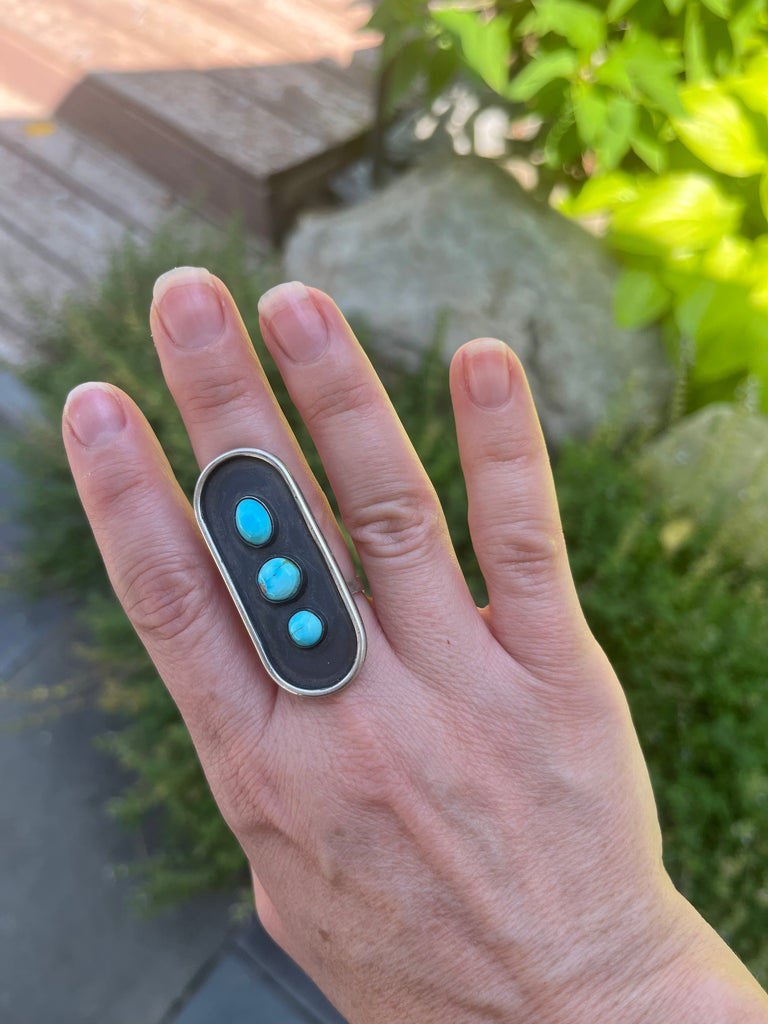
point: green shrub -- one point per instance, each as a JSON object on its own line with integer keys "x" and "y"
{"x": 653, "y": 116}
{"x": 684, "y": 630}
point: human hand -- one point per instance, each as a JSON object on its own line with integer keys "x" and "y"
{"x": 467, "y": 832}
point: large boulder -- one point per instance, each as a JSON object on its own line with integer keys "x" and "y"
{"x": 712, "y": 469}
{"x": 460, "y": 250}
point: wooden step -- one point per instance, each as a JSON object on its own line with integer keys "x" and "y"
{"x": 246, "y": 107}
{"x": 65, "y": 201}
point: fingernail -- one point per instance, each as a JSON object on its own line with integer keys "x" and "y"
{"x": 487, "y": 373}
{"x": 94, "y": 414}
{"x": 189, "y": 307}
{"x": 294, "y": 321}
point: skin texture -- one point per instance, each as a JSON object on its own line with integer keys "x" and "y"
{"x": 467, "y": 832}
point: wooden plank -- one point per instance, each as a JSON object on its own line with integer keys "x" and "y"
{"x": 26, "y": 272}
{"x": 320, "y": 105}
{"x": 14, "y": 104}
{"x": 168, "y": 153}
{"x": 95, "y": 173}
{"x": 32, "y": 71}
{"x": 13, "y": 348}
{"x": 125, "y": 34}
{"x": 76, "y": 39}
{"x": 62, "y": 226}
{"x": 308, "y": 30}
{"x": 181, "y": 35}
{"x": 219, "y": 119}
{"x": 210, "y": 142}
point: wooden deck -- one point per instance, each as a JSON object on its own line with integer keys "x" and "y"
{"x": 113, "y": 113}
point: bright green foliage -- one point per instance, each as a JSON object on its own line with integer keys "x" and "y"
{"x": 685, "y": 631}
{"x": 670, "y": 99}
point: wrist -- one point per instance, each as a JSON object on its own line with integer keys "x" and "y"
{"x": 685, "y": 974}
{"x": 707, "y": 983}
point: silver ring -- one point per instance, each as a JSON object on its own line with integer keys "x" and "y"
{"x": 283, "y": 578}
{"x": 356, "y": 585}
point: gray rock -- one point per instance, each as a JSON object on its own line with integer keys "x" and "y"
{"x": 458, "y": 247}
{"x": 712, "y": 468}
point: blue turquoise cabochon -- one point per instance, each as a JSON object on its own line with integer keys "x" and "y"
{"x": 305, "y": 628}
{"x": 253, "y": 521}
{"x": 279, "y": 579}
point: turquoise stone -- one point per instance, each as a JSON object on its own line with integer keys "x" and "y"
{"x": 306, "y": 629}
{"x": 253, "y": 522}
{"x": 279, "y": 579}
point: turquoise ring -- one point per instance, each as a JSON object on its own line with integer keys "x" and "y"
{"x": 280, "y": 572}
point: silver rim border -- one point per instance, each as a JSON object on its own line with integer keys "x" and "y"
{"x": 322, "y": 543}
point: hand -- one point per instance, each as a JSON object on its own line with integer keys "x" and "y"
{"x": 467, "y": 832}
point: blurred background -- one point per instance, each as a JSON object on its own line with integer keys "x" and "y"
{"x": 587, "y": 181}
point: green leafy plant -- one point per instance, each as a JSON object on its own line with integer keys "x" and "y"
{"x": 652, "y": 116}
{"x": 684, "y": 628}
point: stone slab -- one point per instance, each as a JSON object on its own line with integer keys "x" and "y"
{"x": 711, "y": 467}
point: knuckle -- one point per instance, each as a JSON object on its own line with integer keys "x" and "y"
{"x": 516, "y": 455}
{"x": 122, "y": 487}
{"x": 165, "y": 600}
{"x": 228, "y": 388}
{"x": 339, "y": 400}
{"x": 401, "y": 524}
{"x": 532, "y": 549}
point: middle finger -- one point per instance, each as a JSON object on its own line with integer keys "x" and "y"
{"x": 386, "y": 500}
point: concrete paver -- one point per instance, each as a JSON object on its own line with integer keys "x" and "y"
{"x": 71, "y": 949}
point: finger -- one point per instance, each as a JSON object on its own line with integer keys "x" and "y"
{"x": 514, "y": 520}
{"x": 161, "y": 570}
{"x": 220, "y": 388}
{"x": 386, "y": 500}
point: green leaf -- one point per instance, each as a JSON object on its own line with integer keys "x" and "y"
{"x": 590, "y": 106}
{"x": 744, "y": 26}
{"x": 620, "y": 125}
{"x": 679, "y": 210}
{"x": 650, "y": 151}
{"x": 618, "y": 8}
{"x": 719, "y": 132}
{"x": 485, "y": 44}
{"x": 722, "y": 8}
{"x": 719, "y": 317}
{"x": 653, "y": 70}
{"x": 542, "y": 70}
{"x": 613, "y": 71}
{"x": 442, "y": 67}
{"x": 674, "y": 6}
{"x": 729, "y": 260}
{"x": 694, "y": 44}
{"x": 601, "y": 193}
{"x": 582, "y": 25}
{"x": 557, "y": 150}
{"x": 639, "y": 299}
{"x": 752, "y": 87}
{"x": 764, "y": 194}
{"x": 409, "y": 62}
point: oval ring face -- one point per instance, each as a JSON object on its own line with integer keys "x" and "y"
{"x": 280, "y": 572}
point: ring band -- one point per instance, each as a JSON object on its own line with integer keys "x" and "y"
{"x": 280, "y": 572}
{"x": 356, "y": 585}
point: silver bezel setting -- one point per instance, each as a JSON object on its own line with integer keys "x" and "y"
{"x": 314, "y": 529}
